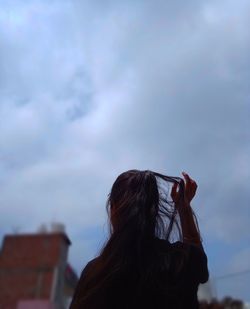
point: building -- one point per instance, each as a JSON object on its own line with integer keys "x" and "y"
{"x": 206, "y": 292}
{"x": 34, "y": 272}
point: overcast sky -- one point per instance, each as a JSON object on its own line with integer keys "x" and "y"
{"x": 89, "y": 89}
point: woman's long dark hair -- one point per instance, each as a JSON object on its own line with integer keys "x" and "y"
{"x": 140, "y": 211}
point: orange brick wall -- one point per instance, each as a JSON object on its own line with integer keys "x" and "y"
{"x": 27, "y": 264}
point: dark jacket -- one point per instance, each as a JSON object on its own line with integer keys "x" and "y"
{"x": 165, "y": 290}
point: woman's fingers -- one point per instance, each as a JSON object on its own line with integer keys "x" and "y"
{"x": 186, "y": 177}
{"x": 189, "y": 179}
{"x": 190, "y": 187}
{"x": 174, "y": 193}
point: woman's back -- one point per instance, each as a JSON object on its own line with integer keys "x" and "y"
{"x": 167, "y": 287}
{"x": 138, "y": 266}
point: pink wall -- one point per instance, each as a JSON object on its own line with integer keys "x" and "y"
{"x": 38, "y": 304}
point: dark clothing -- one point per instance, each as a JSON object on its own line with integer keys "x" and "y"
{"x": 173, "y": 287}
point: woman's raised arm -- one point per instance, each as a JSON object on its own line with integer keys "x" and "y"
{"x": 190, "y": 231}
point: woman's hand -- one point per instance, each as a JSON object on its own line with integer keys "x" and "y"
{"x": 189, "y": 225}
{"x": 190, "y": 188}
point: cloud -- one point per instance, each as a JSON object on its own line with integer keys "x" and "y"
{"x": 89, "y": 91}
{"x": 235, "y": 280}
{"x": 240, "y": 262}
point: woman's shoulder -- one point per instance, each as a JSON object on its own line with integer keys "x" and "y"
{"x": 88, "y": 267}
{"x": 166, "y": 245}
{"x": 189, "y": 247}
{"x": 197, "y": 263}
{"x": 84, "y": 272}
{"x": 194, "y": 256}
{"x": 192, "y": 252}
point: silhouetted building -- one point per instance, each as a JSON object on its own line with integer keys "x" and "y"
{"x": 34, "y": 272}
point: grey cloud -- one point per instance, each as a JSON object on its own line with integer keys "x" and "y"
{"x": 161, "y": 85}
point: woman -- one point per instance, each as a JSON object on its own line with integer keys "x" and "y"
{"x": 140, "y": 266}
